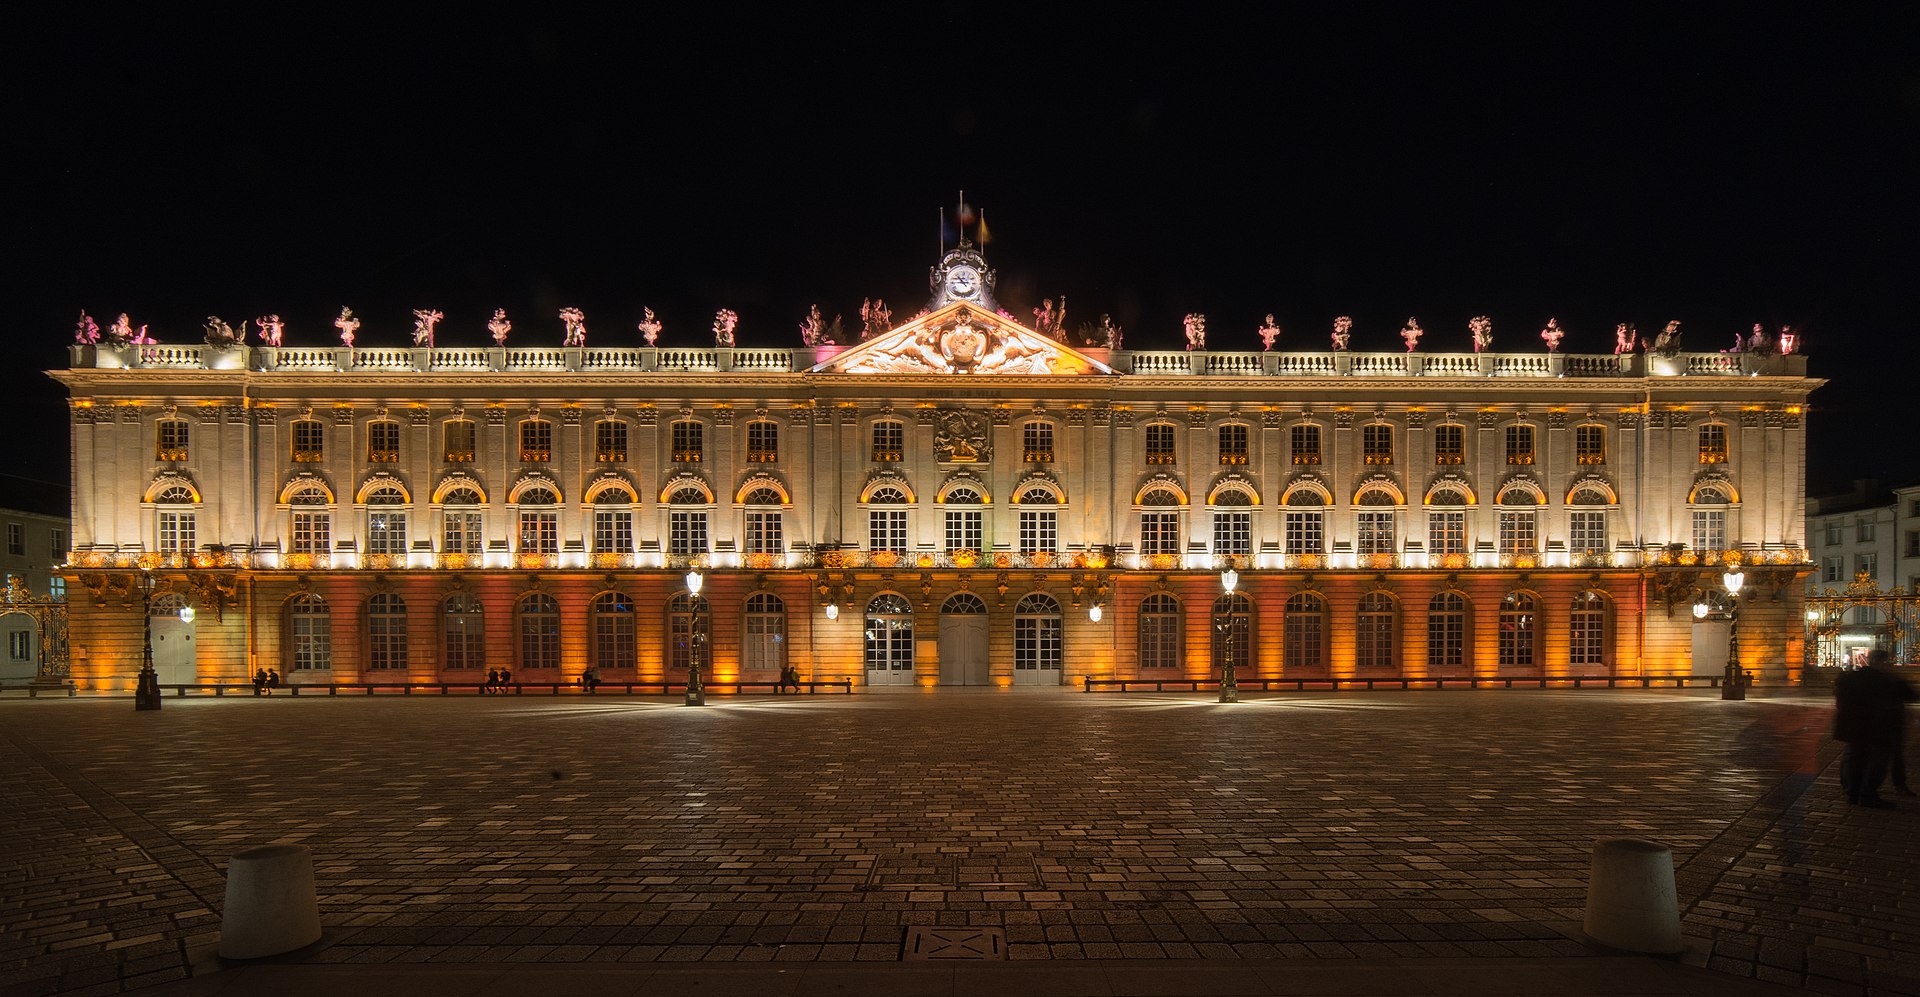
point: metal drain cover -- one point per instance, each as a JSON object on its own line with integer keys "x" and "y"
{"x": 925, "y": 943}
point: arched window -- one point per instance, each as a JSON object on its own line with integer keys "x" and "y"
{"x": 1160, "y": 522}
{"x": 1375, "y": 520}
{"x": 611, "y": 619}
{"x": 765, "y": 534}
{"x": 1519, "y": 631}
{"x": 1447, "y": 523}
{"x": 466, "y": 632}
{"x": 1587, "y": 526}
{"x": 1587, "y": 630}
{"x": 1232, "y": 631}
{"x": 964, "y": 519}
{"x": 462, "y": 522}
{"x": 312, "y": 523}
{"x": 1233, "y": 522}
{"x": 539, "y": 632}
{"x": 1039, "y": 528}
{"x": 386, "y": 632}
{"x": 309, "y": 633}
{"x": 889, "y": 634}
{"x": 386, "y": 521}
{"x": 1303, "y": 636}
{"x": 1710, "y": 518}
{"x": 613, "y": 518}
{"x": 1375, "y": 637}
{"x": 887, "y": 528}
{"x": 1036, "y": 633}
{"x": 1306, "y": 532}
{"x": 1446, "y": 632}
{"x": 764, "y": 628}
{"x": 687, "y": 521}
{"x": 687, "y": 618}
{"x": 539, "y": 522}
{"x": 174, "y": 520}
{"x": 1159, "y": 631}
{"x": 1519, "y": 520}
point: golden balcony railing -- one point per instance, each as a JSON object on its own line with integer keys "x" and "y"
{"x": 1520, "y": 458}
{"x": 1306, "y": 458}
{"x": 1159, "y": 458}
{"x": 1233, "y": 457}
{"x": 687, "y": 456}
{"x": 1712, "y": 457}
{"x": 309, "y": 456}
{"x": 459, "y": 456}
{"x": 886, "y": 456}
{"x": 1038, "y": 456}
{"x": 535, "y": 455}
{"x": 1453, "y": 560}
{"x": 611, "y": 559}
{"x": 884, "y": 558}
{"x": 763, "y": 456}
{"x": 383, "y": 456}
{"x": 383, "y": 562}
{"x": 1162, "y": 562}
{"x": 1376, "y": 562}
{"x": 1591, "y": 458}
{"x": 1379, "y": 458}
{"x": 1449, "y": 458}
{"x": 459, "y": 561}
{"x": 534, "y": 559}
{"x": 170, "y": 453}
{"x": 611, "y": 456}
{"x": 1306, "y": 562}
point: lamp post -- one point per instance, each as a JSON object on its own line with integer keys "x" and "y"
{"x": 146, "y": 694}
{"x": 1229, "y": 685}
{"x": 1734, "y": 684}
{"x": 1812, "y": 655}
{"x": 697, "y": 641}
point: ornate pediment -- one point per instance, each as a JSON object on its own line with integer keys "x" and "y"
{"x": 962, "y": 338}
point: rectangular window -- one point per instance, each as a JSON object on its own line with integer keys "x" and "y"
{"x": 383, "y": 442}
{"x": 1449, "y": 445}
{"x": 171, "y": 441}
{"x": 1306, "y": 533}
{"x": 1713, "y": 444}
{"x": 536, "y": 441}
{"x": 763, "y": 442}
{"x": 1233, "y": 533}
{"x": 539, "y": 533}
{"x": 19, "y": 645}
{"x": 466, "y": 641}
{"x": 16, "y": 538}
{"x": 889, "y": 441}
{"x": 1590, "y": 444}
{"x": 460, "y": 533}
{"x": 689, "y": 443}
{"x": 1831, "y": 568}
{"x": 1586, "y": 638}
{"x": 686, "y": 533}
{"x": 1039, "y": 532}
{"x": 312, "y": 533}
{"x": 1306, "y": 444}
{"x": 964, "y": 530}
{"x": 1835, "y": 534}
{"x": 176, "y": 533}
{"x": 764, "y": 533}
{"x": 59, "y": 545}
{"x": 386, "y": 532}
{"x": 309, "y": 441}
{"x": 1866, "y": 564}
{"x": 1519, "y": 444}
{"x": 1233, "y": 444}
{"x": 459, "y": 438}
{"x": 1160, "y": 533}
{"x": 1863, "y": 531}
{"x": 610, "y": 441}
{"x": 1159, "y": 443}
{"x": 1587, "y": 533}
{"x": 1373, "y": 640}
{"x": 1517, "y": 532}
{"x": 1037, "y": 443}
{"x": 1375, "y": 533}
{"x": 1446, "y": 533}
{"x": 1446, "y": 639}
{"x": 613, "y": 532}
{"x": 1376, "y": 443}
{"x": 1709, "y": 529}
{"x": 887, "y": 530}
{"x": 1913, "y": 543}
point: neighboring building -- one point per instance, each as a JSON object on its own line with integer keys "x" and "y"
{"x": 952, "y": 502}
{"x": 33, "y": 515}
{"x": 1865, "y": 546}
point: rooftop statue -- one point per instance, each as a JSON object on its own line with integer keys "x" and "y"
{"x": 1624, "y": 338}
{"x": 499, "y": 326}
{"x": 87, "y": 332}
{"x": 1048, "y": 322}
{"x": 272, "y": 330}
{"x": 1109, "y": 333}
{"x": 1759, "y": 341}
{"x": 1342, "y": 333}
{"x": 724, "y": 322}
{"x": 423, "y": 322}
{"x": 219, "y": 333}
{"x": 1196, "y": 325}
{"x": 1482, "y": 328}
{"x": 1668, "y": 342}
{"x": 1789, "y": 340}
{"x": 814, "y": 331}
{"x": 1268, "y": 333}
{"x": 650, "y": 327}
{"x": 875, "y": 318}
{"x": 576, "y": 324}
{"x": 346, "y": 323}
{"x": 1411, "y": 332}
{"x": 1552, "y": 334}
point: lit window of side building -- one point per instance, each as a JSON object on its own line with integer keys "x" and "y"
{"x": 962, "y": 490}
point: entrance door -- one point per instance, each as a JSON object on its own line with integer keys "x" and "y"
{"x": 173, "y": 649}
{"x": 963, "y": 641}
{"x": 1036, "y": 641}
{"x": 889, "y": 639}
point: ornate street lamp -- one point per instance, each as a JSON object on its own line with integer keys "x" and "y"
{"x": 1229, "y": 624}
{"x": 697, "y": 641}
{"x": 146, "y": 694}
{"x": 1734, "y": 684}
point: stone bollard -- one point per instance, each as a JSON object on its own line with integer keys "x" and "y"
{"x": 1631, "y": 900}
{"x": 271, "y": 907}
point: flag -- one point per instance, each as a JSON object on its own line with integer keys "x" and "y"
{"x": 984, "y": 237}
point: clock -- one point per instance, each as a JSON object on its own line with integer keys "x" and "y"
{"x": 963, "y": 282}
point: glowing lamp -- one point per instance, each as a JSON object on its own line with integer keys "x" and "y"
{"x": 1813, "y": 616}
{"x": 186, "y": 614}
{"x": 1733, "y": 580}
{"x": 1230, "y": 579}
{"x": 833, "y": 610}
{"x": 1699, "y": 610}
{"x": 694, "y": 581}
{"x": 1094, "y": 612}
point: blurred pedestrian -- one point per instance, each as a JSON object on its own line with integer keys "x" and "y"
{"x": 1869, "y": 711}
{"x": 259, "y": 681}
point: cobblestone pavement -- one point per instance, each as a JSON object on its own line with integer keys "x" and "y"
{"x": 614, "y": 830}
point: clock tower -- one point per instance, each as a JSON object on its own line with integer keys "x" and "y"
{"x": 962, "y": 275}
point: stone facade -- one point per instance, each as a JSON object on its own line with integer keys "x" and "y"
{"x": 947, "y": 503}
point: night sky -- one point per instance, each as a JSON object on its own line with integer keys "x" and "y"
{"x": 1723, "y": 165}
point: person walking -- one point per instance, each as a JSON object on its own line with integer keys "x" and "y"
{"x": 1869, "y": 711}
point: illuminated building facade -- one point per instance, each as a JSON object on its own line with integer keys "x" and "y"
{"x": 962, "y": 499}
